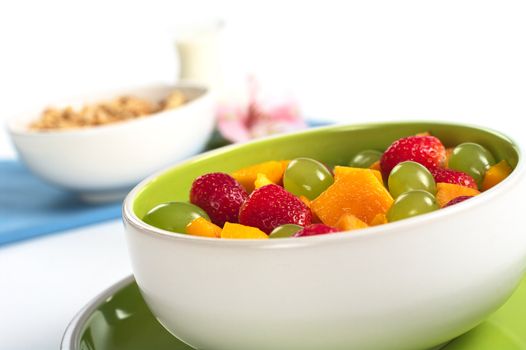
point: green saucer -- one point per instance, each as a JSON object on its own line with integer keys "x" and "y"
{"x": 118, "y": 319}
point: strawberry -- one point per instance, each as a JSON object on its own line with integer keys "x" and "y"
{"x": 426, "y": 150}
{"x": 271, "y": 206}
{"x": 220, "y": 195}
{"x": 315, "y": 229}
{"x": 453, "y": 177}
{"x": 457, "y": 200}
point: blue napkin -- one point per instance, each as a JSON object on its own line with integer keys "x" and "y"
{"x": 30, "y": 207}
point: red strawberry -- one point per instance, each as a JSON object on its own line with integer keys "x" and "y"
{"x": 271, "y": 206}
{"x": 220, "y": 195}
{"x": 315, "y": 229}
{"x": 457, "y": 200}
{"x": 453, "y": 177}
{"x": 426, "y": 150}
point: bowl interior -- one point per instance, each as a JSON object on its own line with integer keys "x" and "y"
{"x": 334, "y": 145}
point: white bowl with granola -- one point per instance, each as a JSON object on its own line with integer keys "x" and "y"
{"x": 99, "y": 146}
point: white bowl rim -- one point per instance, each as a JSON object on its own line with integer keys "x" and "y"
{"x": 373, "y": 232}
{"x": 15, "y": 130}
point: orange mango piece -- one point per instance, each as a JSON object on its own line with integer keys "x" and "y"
{"x": 495, "y": 174}
{"x": 425, "y": 133}
{"x": 308, "y": 203}
{"x": 238, "y": 231}
{"x": 375, "y": 166}
{"x": 349, "y": 222}
{"x": 273, "y": 170}
{"x": 356, "y": 191}
{"x": 262, "y": 180}
{"x": 378, "y": 175}
{"x": 340, "y": 171}
{"x": 305, "y": 201}
{"x": 284, "y": 164}
{"x": 204, "y": 228}
{"x": 446, "y": 192}
{"x": 379, "y": 219}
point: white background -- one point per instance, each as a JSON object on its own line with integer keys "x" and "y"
{"x": 345, "y": 61}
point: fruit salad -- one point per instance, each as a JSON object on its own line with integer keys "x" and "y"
{"x": 305, "y": 197}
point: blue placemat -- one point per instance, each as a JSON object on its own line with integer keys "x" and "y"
{"x": 30, "y": 207}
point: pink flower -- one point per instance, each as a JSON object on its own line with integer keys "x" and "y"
{"x": 258, "y": 118}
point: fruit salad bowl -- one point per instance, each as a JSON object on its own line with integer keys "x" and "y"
{"x": 411, "y": 284}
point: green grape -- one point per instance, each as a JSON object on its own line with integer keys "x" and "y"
{"x": 284, "y": 231}
{"x": 174, "y": 216}
{"x": 407, "y": 176}
{"x": 365, "y": 159}
{"x": 410, "y": 204}
{"x": 307, "y": 177}
{"x": 471, "y": 158}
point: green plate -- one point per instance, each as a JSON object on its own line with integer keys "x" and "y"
{"x": 118, "y": 319}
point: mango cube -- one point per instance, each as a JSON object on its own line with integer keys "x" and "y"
{"x": 238, "y": 231}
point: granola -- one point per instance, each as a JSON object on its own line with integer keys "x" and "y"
{"x": 120, "y": 109}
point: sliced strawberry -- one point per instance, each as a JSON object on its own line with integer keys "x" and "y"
{"x": 271, "y": 206}
{"x": 315, "y": 229}
{"x": 426, "y": 150}
{"x": 220, "y": 195}
{"x": 457, "y": 200}
{"x": 453, "y": 177}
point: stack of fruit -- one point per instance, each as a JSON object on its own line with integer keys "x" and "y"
{"x": 304, "y": 197}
